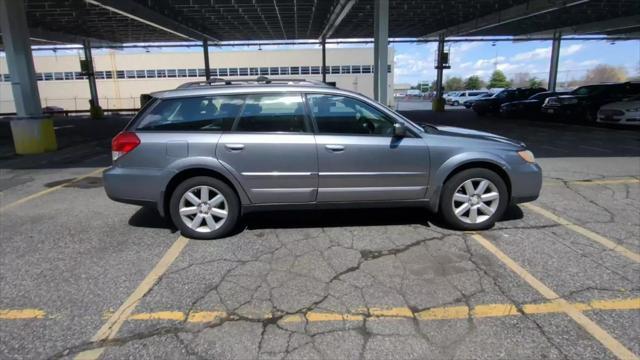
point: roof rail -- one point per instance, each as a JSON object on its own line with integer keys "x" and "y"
{"x": 258, "y": 80}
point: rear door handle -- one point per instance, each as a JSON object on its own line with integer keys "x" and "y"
{"x": 335, "y": 148}
{"x": 234, "y": 147}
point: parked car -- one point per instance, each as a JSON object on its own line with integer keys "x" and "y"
{"x": 492, "y": 104}
{"x": 582, "y": 104}
{"x": 449, "y": 94}
{"x": 529, "y": 107}
{"x": 208, "y": 154}
{"x": 622, "y": 112}
{"x": 462, "y": 96}
{"x": 469, "y": 103}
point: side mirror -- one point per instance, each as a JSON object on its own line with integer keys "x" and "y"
{"x": 399, "y": 130}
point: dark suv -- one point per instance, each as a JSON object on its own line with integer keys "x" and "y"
{"x": 492, "y": 104}
{"x": 583, "y": 103}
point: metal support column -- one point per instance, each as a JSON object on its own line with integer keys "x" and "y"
{"x": 324, "y": 61}
{"x": 15, "y": 36}
{"x": 438, "y": 101}
{"x": 555, "y": 59}
{"x": 94, "y": 102}
{"x": 380, "y": 50}
{"x": 205, "y": 52}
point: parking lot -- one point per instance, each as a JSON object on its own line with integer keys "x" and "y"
{"x": 84, "y": 277}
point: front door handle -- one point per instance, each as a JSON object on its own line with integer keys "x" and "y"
{"x": 335, "y": 148}
{"x": 234, "y": 147}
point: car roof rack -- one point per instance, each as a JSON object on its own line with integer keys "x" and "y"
{"x": 258, "y": 80}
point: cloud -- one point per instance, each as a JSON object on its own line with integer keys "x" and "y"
{"x": 571, "y": 49}
{"x": 482, "y": 63}
{"x": 535, "y": 54}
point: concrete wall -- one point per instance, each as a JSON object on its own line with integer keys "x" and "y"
{"x": 124, "y": 93}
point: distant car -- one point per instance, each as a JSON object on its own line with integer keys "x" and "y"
{"x": 528, "y": 107}
{"x": 492, "y": 104}
{"x": 622, "y": 112}
{"x": 582, "y": 104}
{"x": 51, "y": 109}
{"x": 468, "y": 103}
{"x": 449, "y": 94}
{"x": 462, "y": 96}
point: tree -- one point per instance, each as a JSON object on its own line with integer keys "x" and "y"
{"x": 474, "y": 82}
{"x": 498, "y": 80}
{"x": 605, "y": 73}
{"x": 534, "y": 82}
{"x": 454, "y": 83}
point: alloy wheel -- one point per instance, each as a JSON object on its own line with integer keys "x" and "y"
{"x": 203, "y": 208}
{"x": 475, "y": 200}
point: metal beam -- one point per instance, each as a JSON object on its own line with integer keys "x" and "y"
{"x": 64, "y": 38}
{"x": 592, "y": 28}
{"x": 380, "y": 50}
{"x": 143, "y": 14}
{"x": 555, "y": 60}
{"x": 91, "y": 76}
{"x": 515, "y": 13}
{"x": 324, "y": 62}
{"x": 205, "y": 53}
{"x": 338, "y": 13}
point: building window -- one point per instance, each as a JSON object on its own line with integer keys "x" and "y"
{"x": 284, "y": 70}
{"x": 48, "y": 76}
{"x": 99, "y": 75}
{"x": 346, "y": 69}
{"x": 7, "y": 77}
{"x": 161, "y": 73}
{"x": 151, "y": 74}
{"x": 335, "y": 69}
{"x": 39, "y": 77}
{"x": 295, "y": 70}
{"x": 58, "y": 76}
{"x": 182, "y": 73}
{"x": 274, "y": 71}
{"x": 253, "y": 71}
{"x": 389, "y": 68}
{"x": 304, "y": 70}
{"x": 171, "y": 73}
{"x": 355, "y": 69}
{"x": 201, "y": 72}
{"x": 366, "y": 69}
{"x": 233, "y": 71}
{"x": 78, "y": 76}
{"x": 192, "y": 72}
{"x": 243, "y": 71}
{"x": 315, "y": 70}
{"x": 68, "y": 75}
{"x": 108, "y": 74}
{"x": 130, "y": 74}
{"x": 119, "y": 74}
{"x": 264, "y": 71}
{"x": 223, "y": 72}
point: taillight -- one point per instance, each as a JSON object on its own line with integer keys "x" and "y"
{"x": 123, "y": 143}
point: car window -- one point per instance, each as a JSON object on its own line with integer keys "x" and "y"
{"x": 203, "y": 113}
{"x": 335, "y": 114}
{"x": 273, "y": 113}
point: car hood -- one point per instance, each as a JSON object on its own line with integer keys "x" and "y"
{"x": 622, "y": 105}
{"x": 480, "y": 135}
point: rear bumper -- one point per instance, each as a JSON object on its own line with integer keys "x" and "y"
{"x": 526, "y": 183}
{"x": 132, "y": 186}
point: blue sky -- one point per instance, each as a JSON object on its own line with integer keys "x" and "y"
{"x": 414, "y": 62}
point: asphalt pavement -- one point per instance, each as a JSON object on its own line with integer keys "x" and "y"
{"x": 84, "y": 277}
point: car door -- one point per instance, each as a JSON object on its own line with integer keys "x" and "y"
{"x": 271, "y": 150}
{"x": 359, "y": 159}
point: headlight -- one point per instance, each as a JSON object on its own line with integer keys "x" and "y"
{"x": 527, "y": 156}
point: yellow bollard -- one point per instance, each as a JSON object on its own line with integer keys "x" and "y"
{"x": 33, "y": 135}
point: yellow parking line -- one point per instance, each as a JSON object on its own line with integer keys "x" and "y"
{"x": 113, "y": 324}
{"x": 49, "y": 190}
{"x": 606, "y": 181}
{"x": 608, "y": 341}
{"x": 611, "y": 245}
{"x": 22, "y": 314}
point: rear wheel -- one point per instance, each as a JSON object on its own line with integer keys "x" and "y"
{"x": 473, "y": 199}
{"x": 204, "y": 208}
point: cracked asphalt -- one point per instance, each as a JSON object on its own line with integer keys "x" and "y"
{"x": 343, "y": 284}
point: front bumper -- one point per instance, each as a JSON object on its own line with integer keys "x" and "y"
{"x": 526, "y": 183}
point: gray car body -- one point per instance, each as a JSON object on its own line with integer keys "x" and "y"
{"x": 282, "y": 170}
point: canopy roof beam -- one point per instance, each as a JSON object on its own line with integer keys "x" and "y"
{"x": 594, "y": 28}
{"x": 338, "y": 13}
{"x": 519, "y": 12}
{"x": 143, "y": 14}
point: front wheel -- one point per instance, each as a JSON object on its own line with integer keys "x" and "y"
{"x": 473, "y": 199}
{"x": 204, "y": 208}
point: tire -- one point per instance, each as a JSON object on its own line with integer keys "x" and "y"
{"x": 221, "y": 226}
{"x": 455, "y": 186}
{"x": 455, "y": 103}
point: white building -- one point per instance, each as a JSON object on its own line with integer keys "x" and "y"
{"x": 122, "y": 76}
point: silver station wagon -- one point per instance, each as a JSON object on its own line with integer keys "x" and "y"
{"x": 208, "y": 152}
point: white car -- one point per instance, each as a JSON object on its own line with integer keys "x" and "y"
{"x": 622, "y": 112}
{"x": 462, "y": 96}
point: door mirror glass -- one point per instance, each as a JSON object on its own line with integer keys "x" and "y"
{"x": 399, "y": 130}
